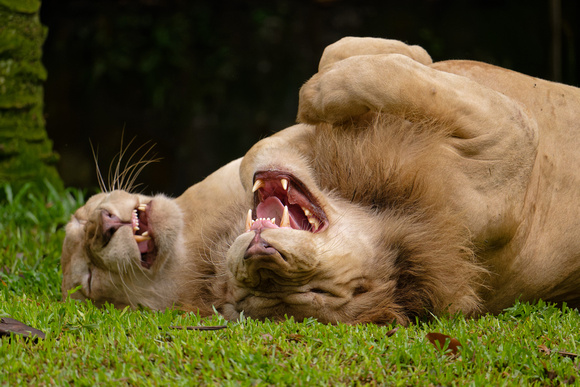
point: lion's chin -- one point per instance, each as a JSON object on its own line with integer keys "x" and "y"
{"x": 314, "y": 303}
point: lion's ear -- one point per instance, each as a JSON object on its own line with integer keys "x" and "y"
{"x": 353, "y": 46}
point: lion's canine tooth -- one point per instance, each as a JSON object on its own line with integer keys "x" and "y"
{"x": 141, "y": 238}
{"x": 306, "y": 211}
{"x": 142, "y": 207}
{"x": 284, "y": 183}
{"x": 257, "y": 185}
{"x": 145, "y": 233}
{"x": 249, "y": 220}
{"x": 285, "y": 221}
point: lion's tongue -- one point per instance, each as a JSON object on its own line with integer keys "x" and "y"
{"x": 147, "y": 245}
{"x": 272, "y": 207}
{"x": 144, "y": 246}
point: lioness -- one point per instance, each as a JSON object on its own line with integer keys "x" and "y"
{"x": 156, "y": 252}
{"x": 419, "y": 188}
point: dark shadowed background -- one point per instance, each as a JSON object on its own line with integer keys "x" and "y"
{"x": 204, "y": 80}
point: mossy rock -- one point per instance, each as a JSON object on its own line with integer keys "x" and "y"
{"x": 26, "y": 153}
{"x": 21, "y": 6}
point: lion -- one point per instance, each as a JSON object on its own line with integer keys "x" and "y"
{"x": 157, "y": 252}
{"x": 411, "y": 189}
{"x": 154, "y": 252}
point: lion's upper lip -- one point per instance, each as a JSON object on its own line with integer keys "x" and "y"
{"x": 282, "y": 200}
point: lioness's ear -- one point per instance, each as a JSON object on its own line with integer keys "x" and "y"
{"x": 352, "y": 46}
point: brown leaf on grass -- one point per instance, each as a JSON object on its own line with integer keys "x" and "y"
{"x": 438, "y": 340}
{"x": 295, "y": 337}
{"x": 548, "y": 351}
{"x": 544, "y": 349}
{"x": 9, "y": 325}
{"x": 392, "y": 331}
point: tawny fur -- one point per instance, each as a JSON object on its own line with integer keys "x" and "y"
{"x": 448, "y": 187}
{"x": 387, "y": 165}
{"x": 190, "y": 246}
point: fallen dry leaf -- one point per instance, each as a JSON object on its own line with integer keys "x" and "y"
{"x": 9, "y": 325}
{"x": 295, "y": 337}
{"x": 392, "y": 331}
{"x": 544, "y": 349}
{"x": 438, "y": 340}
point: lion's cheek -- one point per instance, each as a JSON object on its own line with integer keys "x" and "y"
{"x": 120, "y": 251}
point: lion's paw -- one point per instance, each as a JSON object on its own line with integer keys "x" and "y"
{"x": 354, "y": 46}
{"x": 329, "y": 97}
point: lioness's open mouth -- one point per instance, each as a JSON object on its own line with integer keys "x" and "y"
{"x": 282, "y": 201}
{"x": 141, "y": 228}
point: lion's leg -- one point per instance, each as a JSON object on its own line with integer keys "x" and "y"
{"x": 490, "y": 141}
{"x": 353, "y": 46}
{"x": 399, "y": 85}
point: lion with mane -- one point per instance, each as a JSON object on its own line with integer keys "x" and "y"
{"x": 409, "y": 189}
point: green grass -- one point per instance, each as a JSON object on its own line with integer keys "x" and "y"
{"x": 90, "y": 346}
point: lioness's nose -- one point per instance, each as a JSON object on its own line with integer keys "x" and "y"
{"x": 110, "y": 223}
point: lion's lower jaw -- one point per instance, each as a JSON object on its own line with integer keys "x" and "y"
{"x": 158, "y": 289}
{"x": 327, "y": 309}
{"x": 281, "y": 312}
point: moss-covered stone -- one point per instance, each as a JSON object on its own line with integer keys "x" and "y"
{"x": 26, "y": 153}
{"x": 21, "y": 6}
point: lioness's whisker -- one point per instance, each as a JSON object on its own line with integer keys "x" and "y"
{"x": 124, "y": 175}
{"x": 133, "y": 171}
{"x": 100, "y": 179}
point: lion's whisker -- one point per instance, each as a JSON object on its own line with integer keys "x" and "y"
{"x": 132, "y": 171}
{"x": 101, "y": 181}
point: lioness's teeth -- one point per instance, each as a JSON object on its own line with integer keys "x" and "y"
{"x": 285, "y": 221}
{"x": 141, "y": 238}
{"x": 257, "y": 185}
{"x": 249, "y": 220}
{"x": 145, "y": 233}
{"x": 314, "y": 222}
{"x": 136, "y": 228}
{"x": 306, "y": 211}
{"x": 142, "y": 207}
{"x": 284, "y": 184}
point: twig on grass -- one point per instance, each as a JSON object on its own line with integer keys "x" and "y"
{"x": 197, "y": 328}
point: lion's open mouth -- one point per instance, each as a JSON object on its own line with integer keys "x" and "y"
{"x": 141, "y": 233}
{"x": 281, "y": 200}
